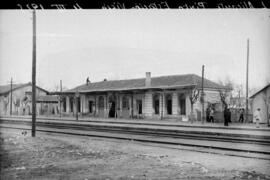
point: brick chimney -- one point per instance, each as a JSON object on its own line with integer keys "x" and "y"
{"x": 148, "y": 79}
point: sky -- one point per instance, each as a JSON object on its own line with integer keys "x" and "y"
{"x": 122, "y": 44}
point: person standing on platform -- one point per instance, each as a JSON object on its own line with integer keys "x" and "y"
{"x": 226, "y": 116}
{"x": 208, "y": 114}
{"x": 211, "y": 115}
{"x": 241, "y": 117}
{"x": 229, "y": 116}
{"x": 257, "y": 116}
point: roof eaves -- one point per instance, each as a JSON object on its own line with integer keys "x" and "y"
{"x": 259, "y": 91}
{"x": 14, "y": 88}
{"x": 138, "y": 88}
{"x": 22, "y": 86}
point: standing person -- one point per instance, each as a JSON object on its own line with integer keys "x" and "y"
{"x": 229, "y": 115}
{"x": 87, "y": 81}
{"x": 211, "y": 115}
{"x": 257, "y": 116}
{"x": 208, "y": 114}
{"x": 226, "y": 116}
{"x": 241, "y": 117}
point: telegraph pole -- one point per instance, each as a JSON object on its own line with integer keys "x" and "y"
{"x": 10, "y": 97}
{"x": 202, "y": 94}
{"x": 247, "y": 81}
{"x": 60, "y": 98}
{"x": 34, "y": 77}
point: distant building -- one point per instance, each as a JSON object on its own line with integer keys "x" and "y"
{"x": 149, "y": 97}
{"x": 22, "y": 100}
{"x": 261, "y": 99}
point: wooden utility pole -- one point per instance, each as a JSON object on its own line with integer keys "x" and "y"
{"x": 202, "y": 94}
{"x": 246, "y": 119}
{"x": 239, "y": 99}
{"x": 34, "y": 77}
{"x": 11, "y": 97}
{"x": 60, "y": 98}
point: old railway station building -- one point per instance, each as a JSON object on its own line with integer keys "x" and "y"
{"x": 149, "y": 97}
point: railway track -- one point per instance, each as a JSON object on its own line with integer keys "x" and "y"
{"x": 228, "y": 142}
{"x": 153, "y": 132}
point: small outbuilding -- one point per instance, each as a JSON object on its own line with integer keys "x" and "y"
{"x": 16, "y": 99}
{"x": 261, "y": 99}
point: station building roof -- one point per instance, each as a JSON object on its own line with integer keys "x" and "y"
{"x": 161, "y": 82}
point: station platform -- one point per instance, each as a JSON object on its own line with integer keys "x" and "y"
{"x": 164, "y": 122}
{"x": 238, "y": 129}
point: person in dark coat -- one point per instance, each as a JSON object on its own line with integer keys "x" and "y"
{"x": 208, "y": 114}
{"x": 226, "y": 116}
{"x": 229, "y": 116}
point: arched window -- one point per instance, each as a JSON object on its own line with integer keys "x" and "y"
{"x": 125, "y": 103}
{"x": 100, "y": 102}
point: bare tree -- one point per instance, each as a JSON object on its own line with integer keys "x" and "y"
{"x": 225, "y": 93}
{"x": 239, "y": 93}
{"x": 6, "y": 102}
{"x": 193, "y": 97}
{"x": 16, "y": 103}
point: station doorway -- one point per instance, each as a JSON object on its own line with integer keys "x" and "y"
{"x": 112, "y": 107}
{"x": 156, "y": 104}
{"x": 139, "y": 106}
{"x": 169, "y": 104}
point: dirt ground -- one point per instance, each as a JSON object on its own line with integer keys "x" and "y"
{"x": 85, "y": 158}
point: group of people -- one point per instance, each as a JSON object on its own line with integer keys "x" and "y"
{"x": 210, "y": 115}
{"x": 227, "y": 115}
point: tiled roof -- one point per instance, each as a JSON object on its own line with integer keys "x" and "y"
{"x": 162, "y": 82}
{"x": 4, "y": 89}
